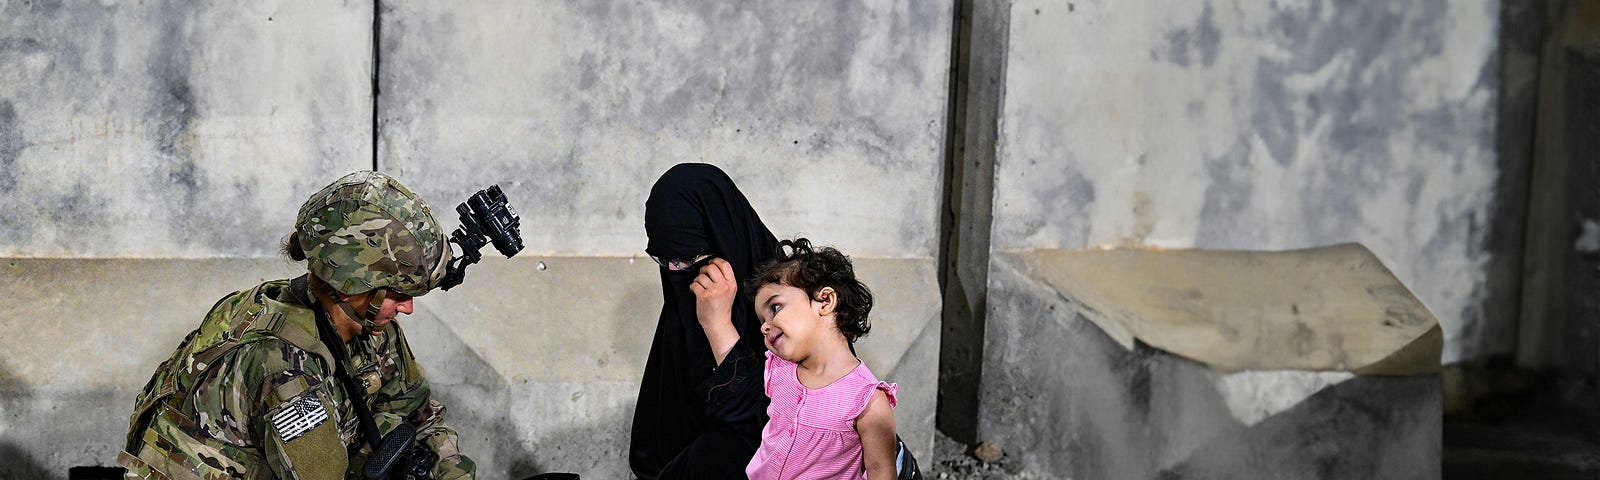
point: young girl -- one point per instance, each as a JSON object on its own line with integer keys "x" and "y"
{"x": 830, "y": 417}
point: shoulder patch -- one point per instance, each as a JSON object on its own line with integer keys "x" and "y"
{"x": 298, "y": 416}
{"x": 293, "y": 387}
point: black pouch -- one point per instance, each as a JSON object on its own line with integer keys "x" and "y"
{"x": 905, "y": 464}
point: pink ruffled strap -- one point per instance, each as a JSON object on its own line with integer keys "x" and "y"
{"x": 889, "y": 389}
{"x": 766, "y": 373}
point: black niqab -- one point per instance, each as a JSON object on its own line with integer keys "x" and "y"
{"x": 695, "y": 209}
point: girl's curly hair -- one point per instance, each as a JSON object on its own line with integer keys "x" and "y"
{"x": 801, "y": 266}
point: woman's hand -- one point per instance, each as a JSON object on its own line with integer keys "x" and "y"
{"x": 714, "y": 290}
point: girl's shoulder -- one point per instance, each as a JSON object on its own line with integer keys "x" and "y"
{"x": 777, "y": 375}
{"x": 866, "y": 385}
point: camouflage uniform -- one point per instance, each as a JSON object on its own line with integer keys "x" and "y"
{"x": 252, "y": 393}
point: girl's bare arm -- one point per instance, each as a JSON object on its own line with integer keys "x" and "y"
{"x": 876, "y": 426}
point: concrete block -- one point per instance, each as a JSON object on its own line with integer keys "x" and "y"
{"x": 830, "y": 115}
{"x": 1262, "y": 126}
{"x": 1332, "y": 308}
{"x": 170, "y": 129}
{"x": 537, "y": 359}
{"x": 1069, "y": 400}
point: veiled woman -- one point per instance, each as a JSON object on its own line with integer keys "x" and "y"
{"x": 701, "y": 407}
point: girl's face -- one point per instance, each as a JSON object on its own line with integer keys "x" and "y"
{"x": 793, "y": 323}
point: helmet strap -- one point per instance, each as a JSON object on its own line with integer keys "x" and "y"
{"x": 373, "y": 307}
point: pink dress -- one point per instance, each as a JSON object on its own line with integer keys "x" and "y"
{"x": 812, "y": 432}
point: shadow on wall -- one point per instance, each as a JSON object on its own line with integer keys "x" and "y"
{"x": 19, "y": 465}
{"x": 598, "y": 446}
{"x": 516, "y": 421}
{"x": 17, "y": 461}
{"x": 476, "y": 396}
{"x": 1312, "y": 439}
{"x": 549, "y": 455}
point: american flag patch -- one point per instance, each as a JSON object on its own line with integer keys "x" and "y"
{"x": 298, "y": 416}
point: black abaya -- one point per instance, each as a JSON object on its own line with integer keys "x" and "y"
{"x": 695, "y": 419}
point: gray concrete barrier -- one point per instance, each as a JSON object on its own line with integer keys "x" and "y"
{"x": 1202, "y": 365}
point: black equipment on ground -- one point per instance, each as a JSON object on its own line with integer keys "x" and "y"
{"x": 904, "y": 462}
{"x": 95, "y": 472}
{"x": 389, "y": 451}
{"x": 400, "y": 457}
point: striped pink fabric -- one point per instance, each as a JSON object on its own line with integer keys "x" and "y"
{"x": 812, "y": 433}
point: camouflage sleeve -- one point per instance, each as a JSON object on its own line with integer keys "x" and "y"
{"x": 408, "y": 396}
{"x": 292, "y": 410}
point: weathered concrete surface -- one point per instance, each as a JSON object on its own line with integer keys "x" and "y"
{"x": 1259, "y": 126}
{"x": 538, "y": 359}
{"x": 1068, "y": 401}
{"x": 829, "y": 115}
{"x": 1332, "y": 308}
{"x": 168, "y": 129}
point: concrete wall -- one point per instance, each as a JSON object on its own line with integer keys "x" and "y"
{"x": 829, "y": 115}
{"x": 1250, "y": 125}
{"x": 136, "y": 135}
{"x": 142, "y": 133}
{"x": 1237, "y": 125}
{"x": 166, "y": 129}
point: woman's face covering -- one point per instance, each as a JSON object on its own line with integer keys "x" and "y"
{"x": 695, "y": 213}
{"x": 695, "y": 210}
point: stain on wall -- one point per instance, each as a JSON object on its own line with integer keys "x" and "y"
{"x": 1247, "y": 125}
{"x": 11, "y": 145}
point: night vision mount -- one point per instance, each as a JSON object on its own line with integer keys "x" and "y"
{"x": 486, "y": 217}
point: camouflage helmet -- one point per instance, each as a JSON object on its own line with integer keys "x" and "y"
{"x": 367, "y": 231}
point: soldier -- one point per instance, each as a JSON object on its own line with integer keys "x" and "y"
{"x": 259, "y": 390}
